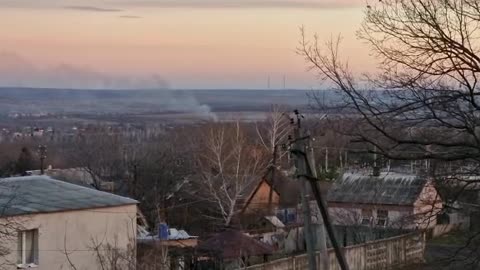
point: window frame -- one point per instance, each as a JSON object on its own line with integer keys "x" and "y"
{"x": 366, "y": 221}
{"x": 22, "y": 262}
{"x": 366, "y": 217}
{"x": 382, "y": 220}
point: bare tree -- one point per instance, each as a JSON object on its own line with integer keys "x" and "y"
{"x": 274, "y": 131}
{"x": 229, "y": 165}
{"x": 101, "y": 156}
{"x": 272, "y": 135}
{"x": 424, "y": 102}
{"x": 109, "y": 254}
{"x": 111, "y": 257}
{"x": 162, "y": 171}
{"x": 9, "y": 225}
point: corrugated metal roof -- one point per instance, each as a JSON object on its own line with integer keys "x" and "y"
{"x": 40, "y": 194}
{"x": 174, "y": 234}
{"x": 388, "y": 188}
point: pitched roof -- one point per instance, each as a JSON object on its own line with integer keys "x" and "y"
{"x": 42, "y": 194}
{"x": 234, "y": 244}
{"x": 388, "y": 188}
{"x": 291, "y": 189}
{"x": 77, "y": 176}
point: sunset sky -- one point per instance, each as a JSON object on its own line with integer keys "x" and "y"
{"x": 169, "y": 43}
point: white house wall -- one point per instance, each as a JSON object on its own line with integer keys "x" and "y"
{"x": 427, "y": 206}
{"x": 353, "y": 216}
{"x": 74, "y": 232}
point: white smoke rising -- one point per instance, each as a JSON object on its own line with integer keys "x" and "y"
{"x": 19, "y": 72}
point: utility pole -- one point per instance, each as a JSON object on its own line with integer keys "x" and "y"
{"x": 322, "y": 240}
{"x": 300, "y": 164}
{"x": 42, "y": 151}
{"x": 135, "y": 180}
{"x": 326, "y": 159}
{"x": 300, "y": 154}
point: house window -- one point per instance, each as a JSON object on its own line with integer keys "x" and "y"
{"x": 27, "y": 248}
{"x": 366, "y": 216}
{"x": 382, "y": 217}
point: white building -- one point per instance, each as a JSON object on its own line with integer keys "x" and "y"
{"x": 52, "y": 224}
{"x": 388, "y": 200}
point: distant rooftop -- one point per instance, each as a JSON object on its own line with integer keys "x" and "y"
{"x": 388, "y": 188}
{"x": 42, "y": 194}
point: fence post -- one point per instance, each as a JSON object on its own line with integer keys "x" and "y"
{"x": 365, "y": 258}
{"x": 404, "y": 251}
{"x": 424, "y": 245}
{"x": 388, "y": 260}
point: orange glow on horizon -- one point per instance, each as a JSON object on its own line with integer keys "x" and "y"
{"x": 243, "y": 46}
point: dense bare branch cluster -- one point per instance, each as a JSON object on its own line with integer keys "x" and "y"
{"x": 423, "y": 104}
{"x": 229, "y": 165}
{"x": 424, "y": 101}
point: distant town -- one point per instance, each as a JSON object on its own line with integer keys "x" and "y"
{"x": 240, "y": 135}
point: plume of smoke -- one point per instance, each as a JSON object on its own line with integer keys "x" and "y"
{"x": 183, "y": 101}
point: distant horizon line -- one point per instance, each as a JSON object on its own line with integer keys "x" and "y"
{"x": 157, "y": 89}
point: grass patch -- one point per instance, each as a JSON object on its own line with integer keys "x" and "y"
{"x": 454, "y": 238}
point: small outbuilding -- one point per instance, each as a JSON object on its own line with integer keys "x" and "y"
{"x": 387, "y": 200}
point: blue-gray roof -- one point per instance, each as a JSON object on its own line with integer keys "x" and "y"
{"x": 42, "y": 194}
{"x": 388, "y": 188}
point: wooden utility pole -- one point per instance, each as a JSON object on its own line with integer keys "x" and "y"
{"x": 300, "y": 164}
{"x": 301, "y": 154}
{"x": 321, "y": 239}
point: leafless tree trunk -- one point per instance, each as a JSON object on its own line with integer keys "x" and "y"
{"x": 9, "y": 226}
{"x": 275, "y": 130}
{"x": 272, "y": 135}
{"x": 229, "y": 165}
